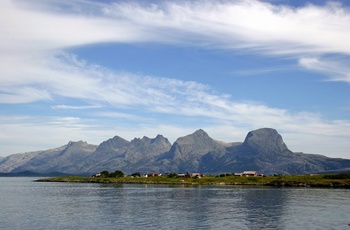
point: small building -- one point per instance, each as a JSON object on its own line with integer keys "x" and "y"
{"x": 154, "y": 174}
{"x": 238, "y": 174}
{"x": 96, "y": 175}
{"x": 249, "y": 173}
{"x": 196, "y": 175}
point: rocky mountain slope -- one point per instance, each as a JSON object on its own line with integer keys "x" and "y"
{"x": 119, "y": 154}
{"x": 63, "y": 159}
{"x": 263, "y": 150}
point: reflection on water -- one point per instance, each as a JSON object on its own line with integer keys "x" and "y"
{"x": 264, "y": 207}
{"x": 30, "y": 205}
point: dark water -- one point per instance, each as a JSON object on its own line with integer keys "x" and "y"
{"x": 25, "y": 204}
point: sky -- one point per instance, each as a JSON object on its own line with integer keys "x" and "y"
{"x": 91, "y": 70}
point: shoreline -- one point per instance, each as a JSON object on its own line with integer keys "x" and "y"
{"x": 308, "y": 182}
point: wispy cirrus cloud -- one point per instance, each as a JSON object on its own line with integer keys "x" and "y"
{"x": 75, "y": 107}
{"x": 337, "y": 70}
{"x": 234, "y": 24}
{"x": 248, "y": 72}
{"x": 249, "y": 24}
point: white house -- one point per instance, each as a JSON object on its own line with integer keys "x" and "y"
{"x": 250, "y": 173}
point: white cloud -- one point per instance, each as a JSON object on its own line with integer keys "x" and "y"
{"x": 337, "y": 70}
{"x": 277, "y": 29}
{"x": 34, "y": 67}
{"x": 254, "y": 24}
{"x": 36, "y": 31}
{"x": 247, "y": 72}
{"x": 23, "y": 94}
{"x": 75, "y": 107}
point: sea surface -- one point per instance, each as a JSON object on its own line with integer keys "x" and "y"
{"x": 25, "y": 204}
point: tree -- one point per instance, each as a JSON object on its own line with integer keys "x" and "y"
{"x": 171, "y": 175}
{"x": 137, "y": 174}
{"x": 117, "y": 173}
{"x": 105, "y": 173}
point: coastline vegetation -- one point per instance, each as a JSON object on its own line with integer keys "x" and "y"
{"x": 318, "y": 180}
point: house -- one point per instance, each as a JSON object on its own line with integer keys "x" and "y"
{"x": 238, "y": 174}
{"x": 96, "y": 175}
{"x": 154, "y": 174}
{"x": 249, "y": 173}
{"x": 196, "y": 175}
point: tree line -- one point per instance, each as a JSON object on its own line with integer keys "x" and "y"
{"x": 117, "y": 173}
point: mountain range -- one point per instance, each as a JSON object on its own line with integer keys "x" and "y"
{"x": 263, "y": 150}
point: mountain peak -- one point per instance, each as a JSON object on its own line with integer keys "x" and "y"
{"x": 159, "y": 136}
{"x": 160, "y": 139}
{"x": 200, "y": 132}
{"x": 76, "y": 143}
{"x": 116, "y": 143}
{"x": 265, "y": 138}
{"x": 198, "y": 135}
{"x": 196, "y": 144}
{"x": 146, "y": 148}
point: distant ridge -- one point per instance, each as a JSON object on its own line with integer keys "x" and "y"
{"x": 263, "y": 150}
{"x": 33, "y": 174}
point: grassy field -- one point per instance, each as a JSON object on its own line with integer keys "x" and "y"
{"x": 329, "y": 180}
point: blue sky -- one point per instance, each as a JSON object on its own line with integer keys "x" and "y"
{"x": 90, "y": 70}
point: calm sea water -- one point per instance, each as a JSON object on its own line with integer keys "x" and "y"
{"x": 25, "y": 204}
